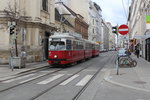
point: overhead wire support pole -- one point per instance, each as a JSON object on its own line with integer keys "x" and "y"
{"x": 124, "y": 9}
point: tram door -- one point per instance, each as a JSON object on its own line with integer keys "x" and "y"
{"x": 45, "y": 44}
{"x": 147, "y": 49}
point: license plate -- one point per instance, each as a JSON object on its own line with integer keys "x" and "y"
{"x": 56, "y": 62}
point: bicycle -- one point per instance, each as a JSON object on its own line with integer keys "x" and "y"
{"x": 127, "y": 61}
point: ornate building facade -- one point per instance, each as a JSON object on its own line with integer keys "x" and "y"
{"x": 34, "y": 21}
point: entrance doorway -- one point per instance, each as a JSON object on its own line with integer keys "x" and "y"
{"x": 45, "y": 45}
{"x": 147, "y": 49}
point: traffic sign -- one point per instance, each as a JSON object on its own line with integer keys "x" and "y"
{"x": 123, "y": 29}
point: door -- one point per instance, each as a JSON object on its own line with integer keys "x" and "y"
{"x": 147, "y": 49}
{"x": 46, "y": 44}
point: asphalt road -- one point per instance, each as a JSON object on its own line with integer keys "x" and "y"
{"x": 67, "y": 83}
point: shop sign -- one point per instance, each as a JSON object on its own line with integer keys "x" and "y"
{"x": 147, "y": 18}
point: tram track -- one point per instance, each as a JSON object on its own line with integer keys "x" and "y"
{"x": 19, "y": 84}
{"x": 26, "y": 73}
{"x": 84, "y": 87}
{"x": 49, "y": 89}
{"x": 54, "y": 86}
{"x": 30, "y": 72}
{"x": 44, "y": 91}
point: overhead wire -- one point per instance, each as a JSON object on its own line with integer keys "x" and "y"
{"x": 124, "y": 9}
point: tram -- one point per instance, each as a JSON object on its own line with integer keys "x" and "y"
{"x": 66, "y": 48}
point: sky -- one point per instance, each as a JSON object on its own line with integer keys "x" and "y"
{"x": 114, "y": 11}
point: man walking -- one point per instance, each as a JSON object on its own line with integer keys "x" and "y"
{"x": 137, "y": 50}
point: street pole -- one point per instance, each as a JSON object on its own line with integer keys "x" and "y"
{"x": 117, "y": 62}
{"x": 16, "y": 47}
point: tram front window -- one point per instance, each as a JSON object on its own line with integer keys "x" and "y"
{"x": 55, "y": 45}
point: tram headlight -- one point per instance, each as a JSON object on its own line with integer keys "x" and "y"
{"x": 55, "y": 56}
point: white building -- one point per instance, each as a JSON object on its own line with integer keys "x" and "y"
{"x": 92, "y": 15}
{"x": 112, "y": 37}
{"x": 105, "y": 36}
{"x": 139, "y": 26}
{"x": 95, "y": 22}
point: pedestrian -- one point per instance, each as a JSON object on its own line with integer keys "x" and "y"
{"x": 137, "y": 51}
{"x": 128, "y": 53}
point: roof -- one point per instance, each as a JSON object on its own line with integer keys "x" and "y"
{"x": 61, "y": 35}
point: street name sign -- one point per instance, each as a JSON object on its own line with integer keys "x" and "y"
{"x": 123, "y": 29}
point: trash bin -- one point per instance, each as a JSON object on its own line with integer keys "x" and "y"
{"x": 19, "y": 62}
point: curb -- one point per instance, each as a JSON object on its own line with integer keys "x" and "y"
{"x": 106, "y": 78}
{"x": 24, "y": 71}
{"x": 28, "y": 70}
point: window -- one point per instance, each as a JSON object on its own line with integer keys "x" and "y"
{"x": 74, "y": 45}
{"x": 45, "y": 5}
{"x": 57, "y": 45}
{"x": 93, "y": 21}
{"x": 93, "y": 30}
{"x": 80, "y": 46}
{"x": 68, "y": 44}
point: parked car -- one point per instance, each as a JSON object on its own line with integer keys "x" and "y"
{"x": 122, "y": 52}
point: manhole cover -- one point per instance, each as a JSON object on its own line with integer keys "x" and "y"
{"x": 140, "y": 82}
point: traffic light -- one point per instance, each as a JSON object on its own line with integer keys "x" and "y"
{"x": 12, "y": 29}
{"x": 115, "y": 29}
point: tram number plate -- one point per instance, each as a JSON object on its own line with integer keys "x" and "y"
{"x": 56, "y": 62}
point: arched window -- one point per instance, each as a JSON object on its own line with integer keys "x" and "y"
{"x": 45, "y": 5}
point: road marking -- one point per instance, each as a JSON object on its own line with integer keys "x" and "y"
{"x": 46, "y": 71}
{"x": 51, "y": 79}
{"x": 11, "y": 80}
{"x": 84, "y": 80}
{"x": 89, "y": 70}
{"x": 69, "y": 80}
{"x": 31, "y": 79}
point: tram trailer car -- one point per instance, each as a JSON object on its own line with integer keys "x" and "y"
{"x": 95, "y": 49}
{"x": 66, "y": 49}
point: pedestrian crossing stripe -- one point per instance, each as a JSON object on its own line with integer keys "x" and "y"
{"x": 84, "y": 80}
{"x": 15, "y": 79}
{"x": 31, "y": 79}
{"x": 69, "y": 80}
{"x": 51, "y": 79}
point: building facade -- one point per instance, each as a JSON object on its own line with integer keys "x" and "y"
{"x": 105, "y": 37}
{"x": 95, "y": 20}
{"x": 91, "y": 13}
{"x": 73, "y": 20}
{"x": 34, "y": 22}
{"x": 139, "y": 25}
{"x": 112, "y": 37}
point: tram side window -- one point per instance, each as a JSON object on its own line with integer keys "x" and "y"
{"x": 80, "y": 45}
{"x": 87, "y": 46}
{"x": 74, "y": 45}
{"x": 93, "y": 46}
{"x": 68, "y": 44}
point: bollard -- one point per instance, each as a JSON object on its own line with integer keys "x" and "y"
{"x": 10, "y": 64}
{"x": 117, "y": 65}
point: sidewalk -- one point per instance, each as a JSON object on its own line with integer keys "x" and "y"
{"x": 137, "y": 78}
{"x": 6, "y": 71}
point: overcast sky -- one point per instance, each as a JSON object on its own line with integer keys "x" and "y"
{"x": 114, "y": 11}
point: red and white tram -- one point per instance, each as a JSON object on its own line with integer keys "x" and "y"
{"x": 65, "y": 48}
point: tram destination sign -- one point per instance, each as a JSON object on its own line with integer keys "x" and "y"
{"x": 123, "y": 29}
